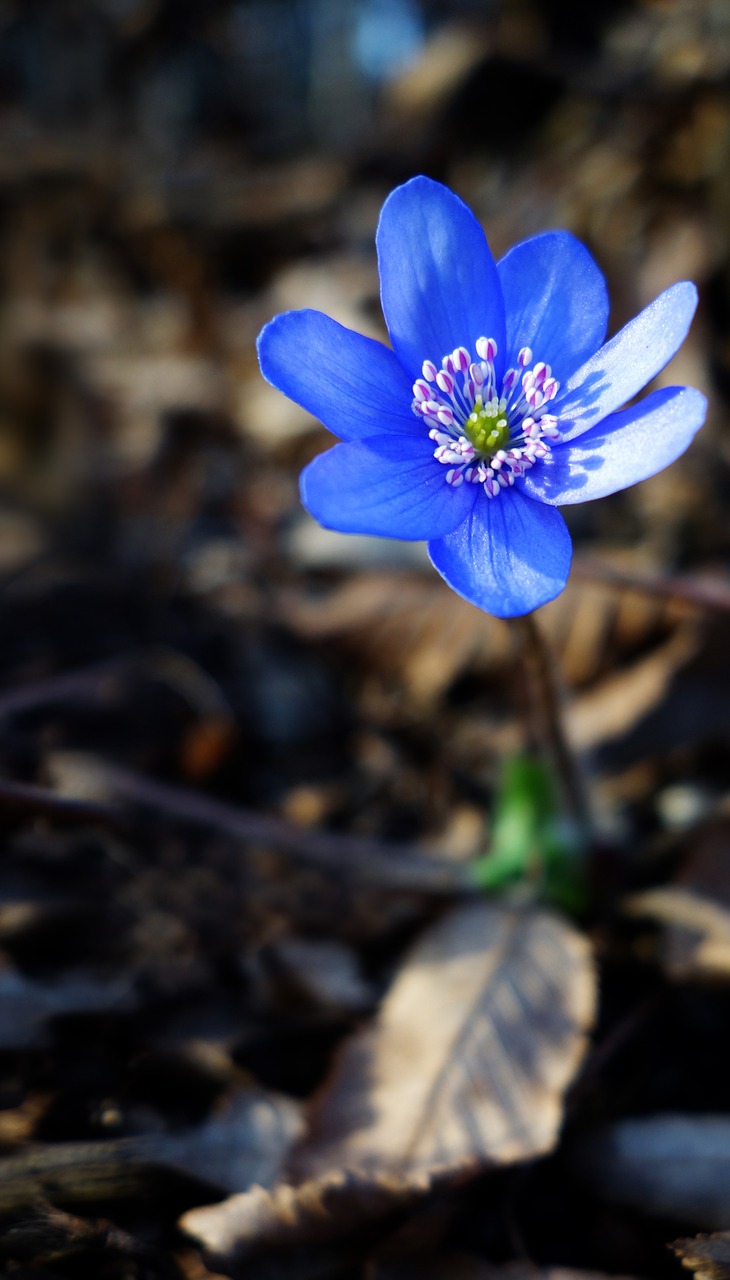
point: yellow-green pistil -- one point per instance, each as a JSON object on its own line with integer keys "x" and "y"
{"x": 487, "y": 427}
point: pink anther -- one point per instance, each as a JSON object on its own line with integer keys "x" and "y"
{"x": 486, "y": 349}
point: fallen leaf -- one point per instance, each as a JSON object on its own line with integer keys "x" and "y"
{"x": 27, "y": 1004}
{"x": 623, "y": 699}
{"x": 244, "y": 1143}
{"x": 706, "y": 869}
{"x": 462, "y": 1266}
{"x": 324, "y": 974}
{"x": 481, "y": 1033}
{"x": 694, "y": 911}
{"x": 48, "y": 1234}
{"x": 247, "y": 1140}
{"x": 465, "y": 1068}
{"x": 670, "y": 1166}
{"x": 695, "y": 940}
{"x": 416, "y": 96}
{"x": 318, "y": 1211}
{"x": 707, "y": 1256}
{"x": 404, "y": 624}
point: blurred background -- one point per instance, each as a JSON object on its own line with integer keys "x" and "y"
{"x": 172, "y": 174}
{"x": 175, "y": 173}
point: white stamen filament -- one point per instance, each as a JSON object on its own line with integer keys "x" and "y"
{"x": 460, "y": 398}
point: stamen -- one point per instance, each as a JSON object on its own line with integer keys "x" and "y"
{"x": 484, "y": 435}
{"x": 486, "y": 349}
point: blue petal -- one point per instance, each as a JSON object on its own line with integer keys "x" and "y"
{"x": 623, "y": 449}
{"x": 438, "y": 281}
{"x": 392, "y": 488}
{"x": 626, "y": 363}
{"x": 355, "y": 386}
{"x": 555, "y": 300}
{"x": 508, "y": 557}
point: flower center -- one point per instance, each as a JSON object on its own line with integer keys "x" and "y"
{"x": 484, "y": 434}
{"x": 487, "y": 427}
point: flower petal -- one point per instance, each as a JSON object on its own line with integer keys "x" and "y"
{"x": 438, "y": 281}
{"x": 508, "y": 557}
{"x": 626, "y": 363}
{"x": 355, "y": 386}
{"x": 388, "y": 487}
{"x": 555, "y": 300}
{"x": 623, "y": 449}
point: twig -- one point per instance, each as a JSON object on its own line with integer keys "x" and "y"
{"x": 705, "y": 593}
{"x": 391, "y": 867}
{"x": 158, "y": 662}
{"x": 87, "y": 681}
{"x": 24, "y": 799}
{"x": 75, "y": 1171}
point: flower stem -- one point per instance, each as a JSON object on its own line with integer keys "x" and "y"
{"x": 546, "y": 725}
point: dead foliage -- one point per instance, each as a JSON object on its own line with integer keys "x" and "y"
{"x": 671, "y": 1166}
{"x": 466, "y": 1065}
{"x": 463, "y": 1070}
{"x": 707, "y": 1256}
{"x": 693, "y": 912}
{"x": 247, "y": 982}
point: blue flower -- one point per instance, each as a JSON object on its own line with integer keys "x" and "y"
{"x": 498, "y": 403}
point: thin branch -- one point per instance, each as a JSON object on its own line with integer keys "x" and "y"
{"x": 391, "y": 867}
{"x": 161, "y": 663}
{"x": 26, "y": 800}
{"x": 711, "y": 594}
{"x": 86, "y": 682}
{"x": 386, "y": 865}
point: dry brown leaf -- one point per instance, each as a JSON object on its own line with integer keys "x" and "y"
{"x": 416, "y": 96}
{"x": 483, "y": 1028}
{"x": 27, "y": 1005}
{"x": 707, "y": 1256}
{"x": 694, "y": 911}
{"x": 480, "y": 1034}
{"x": 528, "y": 1271}
{"x": 706, "y": 869}
{"x": 696, "y": 932}
{"x": 620, "y": 701}
{"x": 323, "y": 1209}
{"x": 405, "y": 623}
{"x": 462, "y": 1266}
{"x": 671, "y": 1166}
{"x": 407, "y": 626}
{"x": 246, "y": 1140}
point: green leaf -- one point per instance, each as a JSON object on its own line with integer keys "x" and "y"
{"x": 531, "y": 844}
